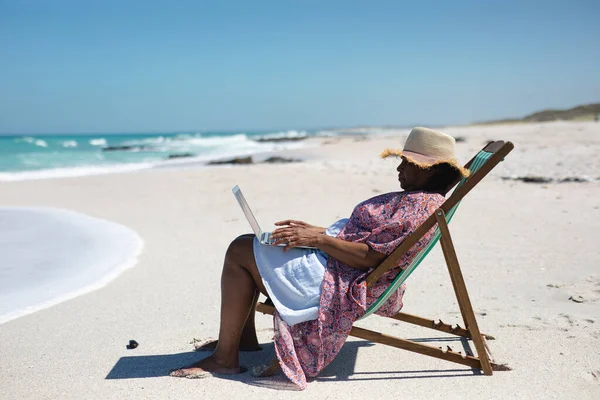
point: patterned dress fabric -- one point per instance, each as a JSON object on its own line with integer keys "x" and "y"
{"x": 382, "y": 222}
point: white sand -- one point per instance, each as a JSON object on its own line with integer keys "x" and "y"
{"x": 524, "y": 249}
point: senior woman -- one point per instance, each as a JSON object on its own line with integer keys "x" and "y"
{"x": 319, "y": 293}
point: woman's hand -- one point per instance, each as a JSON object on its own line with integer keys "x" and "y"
{"x": 299, "y": 233}
{"x": 293, "y": 223}
{"x": 296, "y": 233}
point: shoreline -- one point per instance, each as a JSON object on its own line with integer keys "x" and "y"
{"x": 36, "y": 274}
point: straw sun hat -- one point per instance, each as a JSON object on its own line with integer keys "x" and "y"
{"x": 426, "y": 148}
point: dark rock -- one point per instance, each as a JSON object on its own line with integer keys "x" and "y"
{"x": 237, "y": 160}
{"x": 126, "y": 148}
{"x": 132, "y": 345}
{"x": 529, "y": 179}
{"x": 542, "y": 179}
{"x": 280, "y": 139}
{"x": 460, "y": 139}
{"x": 281, "y": 160}
{"x": 182, "y": 155}
{"x": 535, "y": 179}
{"x": 572, "y": 179}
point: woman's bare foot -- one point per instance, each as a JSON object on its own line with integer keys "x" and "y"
{"x": 210, "y": 345}
{"x": 205, "y": 367}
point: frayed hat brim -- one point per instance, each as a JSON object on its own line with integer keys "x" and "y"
{"x": 424, "y": 161}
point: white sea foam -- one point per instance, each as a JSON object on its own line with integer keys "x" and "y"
{"x": 327, "y": 133}
{"x": 217, "y": 141}
{"x": 24, "y": 139}
{"x": 151, "y": 140}
{"x": 69, "y": 143}
{"x": 41, "y": 143}
{"x": 197, "y": 148}
{"x": 98, "y": 142}
{"x": 53, "y": 255}
{"x": 210, "y": 148}
{"x": 291, "y": 134}
{"x": 72, "y": 172}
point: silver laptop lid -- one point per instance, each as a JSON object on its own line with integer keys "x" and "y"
{"x": 237, "y": 192}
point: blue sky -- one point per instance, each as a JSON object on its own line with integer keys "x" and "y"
{"x": 132, "y": 66}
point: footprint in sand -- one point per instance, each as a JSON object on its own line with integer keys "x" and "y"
{"x": 568, "y": 319}
{"x": 585, "y": 291}
{"x": 522, "y": 326}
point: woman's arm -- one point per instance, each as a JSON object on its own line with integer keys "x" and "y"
{"x": 355, "y": 255}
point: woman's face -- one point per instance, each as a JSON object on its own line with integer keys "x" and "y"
{"x": 412, "y": 177}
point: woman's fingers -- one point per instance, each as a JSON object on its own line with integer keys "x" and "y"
{"x": 285, "y": 241}
{"x": 281, "y": 232}
{"x": 287, "y": 230}
{"x": 291, "y": 222}
{"x": 290, "y": 241}
{"x": 288, "y": 222}
{"x": 292, "y": 236}
{"x": 291, "y": 244}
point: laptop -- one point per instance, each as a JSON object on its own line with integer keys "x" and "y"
{"x": 263, "y": 237}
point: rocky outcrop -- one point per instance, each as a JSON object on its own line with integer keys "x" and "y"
{"x": 543, "y": 179}
{"x": 182, "y": 155}
{"x": 126, "y": 148}
{"x": 281, "y": 160}
{"x": 237, "y": 160}
{"x": 249, "y": 160}
{"x": 280, "y": 139}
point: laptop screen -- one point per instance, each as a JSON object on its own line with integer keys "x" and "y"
{"x": 237, "y": 192}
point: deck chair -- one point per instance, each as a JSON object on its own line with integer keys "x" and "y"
{"x": 479, "y": 166}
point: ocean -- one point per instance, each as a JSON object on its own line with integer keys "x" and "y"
{"x": 53, "y": 156}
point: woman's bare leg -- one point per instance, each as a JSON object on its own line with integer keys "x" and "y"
{"x": 248, "y": 341}
{"x": 240, "y": 282}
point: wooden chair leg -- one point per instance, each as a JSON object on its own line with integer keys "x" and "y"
{"x": 437, "y": 352}
{"x": 460, "y": 288}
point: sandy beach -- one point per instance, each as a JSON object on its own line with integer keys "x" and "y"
{"x": 527, "y": 251}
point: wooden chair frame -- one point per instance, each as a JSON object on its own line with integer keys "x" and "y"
{"x": 482, "y": 361}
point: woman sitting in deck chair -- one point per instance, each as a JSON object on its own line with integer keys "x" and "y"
{"x": 318, "y": 294}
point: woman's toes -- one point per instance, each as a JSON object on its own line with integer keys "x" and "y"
{"x": 206, "y": 345}
{"x": 190, "y": 373}
{"x": 179, "y": 373}
{"x": 204, "y": 368}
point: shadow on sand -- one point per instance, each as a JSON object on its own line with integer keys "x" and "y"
{"x": 341, "y": 369}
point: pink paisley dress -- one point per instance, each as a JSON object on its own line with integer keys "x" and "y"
{"x": 382, "y": 222}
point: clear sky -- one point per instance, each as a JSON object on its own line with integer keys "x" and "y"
{"x": 146, "y": 66}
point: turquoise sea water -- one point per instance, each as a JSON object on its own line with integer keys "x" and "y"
{"x": 47, "y": 156}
